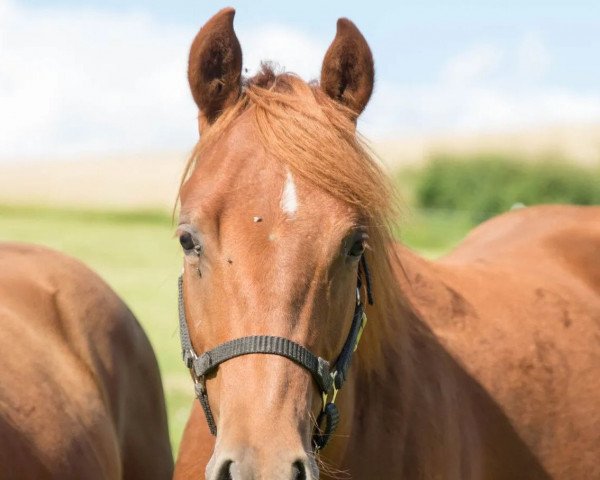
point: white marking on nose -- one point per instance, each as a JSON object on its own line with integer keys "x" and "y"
{"x": 289, "y": 199}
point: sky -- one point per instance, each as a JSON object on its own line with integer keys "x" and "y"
{"x": 80, "y": 77}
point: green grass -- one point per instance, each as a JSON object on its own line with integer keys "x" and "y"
{"x": 433, "y": 232}
{"x": 135, "y": 252}
{"x": 430, "y": 231}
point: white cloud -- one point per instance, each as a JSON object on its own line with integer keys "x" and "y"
{"x": 473, "y": 65}
{"x": 80, "y": 81}
{"x": 291, "y": 49}
{"x": 533, "y": 57}
{"x": 5, "y": 8}
{"x": 485, "y": 88}
{"x": 85, "y": 81}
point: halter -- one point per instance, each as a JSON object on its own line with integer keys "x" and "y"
{"x": 328, "y": 379}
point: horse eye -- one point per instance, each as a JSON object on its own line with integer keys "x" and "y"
{"x": 357, "y": 249}
{"x": 187, "y": 242}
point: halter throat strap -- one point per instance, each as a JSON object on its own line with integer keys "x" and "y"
{"x": 329, "y": 380}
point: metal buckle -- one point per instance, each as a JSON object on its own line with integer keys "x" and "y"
{"x": 199, "y": 384}
{"x": 199, "y": 381}
{"x": 363, "y": 324}
{"x": 334, "y": 392}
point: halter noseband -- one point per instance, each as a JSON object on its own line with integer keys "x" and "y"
{"x": 329, "y": 380}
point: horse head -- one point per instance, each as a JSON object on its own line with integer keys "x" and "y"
{"x": 279, "y": 203}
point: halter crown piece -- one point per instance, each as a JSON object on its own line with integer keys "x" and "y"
{"x": 328, "y": 379}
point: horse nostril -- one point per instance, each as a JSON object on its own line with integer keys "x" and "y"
{"x": 225, "y": 471}
{"x": 298, "y": 470}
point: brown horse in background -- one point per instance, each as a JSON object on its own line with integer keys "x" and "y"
{"x": 80, "y": 391}
{"x": 484, "y": 364}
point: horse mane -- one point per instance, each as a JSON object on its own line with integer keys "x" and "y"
{"x": 316, "y": 138}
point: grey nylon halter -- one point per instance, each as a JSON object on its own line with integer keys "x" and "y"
{"x": 329, "y": 380}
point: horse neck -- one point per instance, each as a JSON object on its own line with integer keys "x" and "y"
{"x": 440, "y": 420}
{"x": 409, "y": 296}
{"x": 418, "y": 388}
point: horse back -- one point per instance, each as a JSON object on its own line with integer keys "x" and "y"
{"x": 548, "y": 239}
{"x": 80, "y": 391}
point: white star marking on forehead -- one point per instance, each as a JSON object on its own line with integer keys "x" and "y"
{"x": 289, "y": 199}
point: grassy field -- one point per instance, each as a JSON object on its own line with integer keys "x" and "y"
{"x": 136, "y": 253}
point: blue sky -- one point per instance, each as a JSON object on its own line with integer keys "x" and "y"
{"x": 409, "y": 39}
{"x": 111, "y": 74}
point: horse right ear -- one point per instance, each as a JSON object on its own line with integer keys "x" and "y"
{"x": 215, "y": 67}
{"x": 347, "y": 73}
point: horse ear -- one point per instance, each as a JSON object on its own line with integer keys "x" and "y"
{"x": 347, "y": 73}
{"x": 215, "y": 66}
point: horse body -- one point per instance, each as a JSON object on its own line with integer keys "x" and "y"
{"x": 518, "y": 305}
{"x": 80, "y": 391}
{"x": 481, "y": 365}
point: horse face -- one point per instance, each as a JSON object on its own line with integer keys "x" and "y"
{"x": 266, "y": 253}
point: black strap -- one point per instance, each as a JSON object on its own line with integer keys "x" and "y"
{"x": 203, "y": 398}
{"x": 187, "y": 351}
{"x": 342, "y": 364}
{"x": 365, "y": 267}
{"x": 318, "y": 367}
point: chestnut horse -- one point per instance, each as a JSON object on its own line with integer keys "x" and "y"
{"x": 80, "y": 390}
{"x": 481, "y": 365}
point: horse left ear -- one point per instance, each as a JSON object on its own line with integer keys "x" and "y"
{"x": 215, "y": 67}
{"x": 348, "y": 73}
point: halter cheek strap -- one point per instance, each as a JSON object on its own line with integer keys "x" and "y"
{"x": 329, "y": 380}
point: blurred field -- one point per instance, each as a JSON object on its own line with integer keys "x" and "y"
{"x": 579, "y": 143}
{"x": 148, "y": 181}
{"x": 151, "y": 179}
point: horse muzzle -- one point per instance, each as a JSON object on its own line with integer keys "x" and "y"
{"x": 246, "y": 463}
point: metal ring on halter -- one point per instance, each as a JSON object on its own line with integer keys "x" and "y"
{"x": 331, "y": 416}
